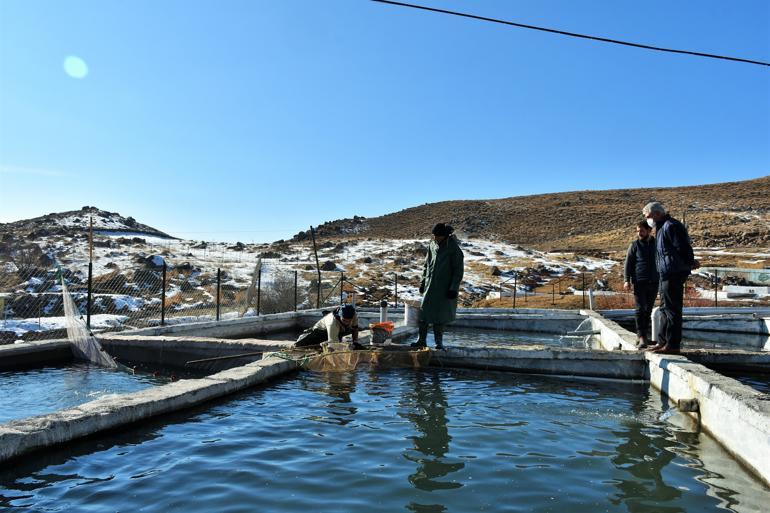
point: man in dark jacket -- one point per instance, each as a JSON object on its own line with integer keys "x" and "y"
{"x": 675, "y": 260}
{"x": 641, "y": 275}
{"x": 440, "y": 284}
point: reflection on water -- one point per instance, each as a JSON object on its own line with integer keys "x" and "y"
{"x": 432, "y": 440}
{"x": 756, "y": 380}
{"x": 697, "y": 339}
{"x": 474, "y": 337}
{"x": 425, "y": 406}
{"x": 32, "y": 392}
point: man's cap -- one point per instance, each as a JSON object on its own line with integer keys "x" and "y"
{"x": 348, "y": 312}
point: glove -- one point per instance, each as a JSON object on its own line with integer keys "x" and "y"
{"x": 451, "y": 294}
{"x": 422, "y": 288}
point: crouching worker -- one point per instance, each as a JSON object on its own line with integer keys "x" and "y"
{"x": 332, "y": 327}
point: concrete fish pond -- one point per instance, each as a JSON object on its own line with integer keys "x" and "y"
{"x": 525, "y": 410}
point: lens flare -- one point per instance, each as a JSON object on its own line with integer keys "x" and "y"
{"x": 75, "y": 67}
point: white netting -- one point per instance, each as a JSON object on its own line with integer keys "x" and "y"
{"x": 85, "y": 346}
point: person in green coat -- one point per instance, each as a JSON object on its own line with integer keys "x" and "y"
{"x": 441, "y": 278}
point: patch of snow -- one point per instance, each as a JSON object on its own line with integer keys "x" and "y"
{"x": 22, "y": 326}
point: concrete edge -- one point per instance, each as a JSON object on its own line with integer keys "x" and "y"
{"x": 25, "y": 435}
{"x": 734, "y": 414}
{"x": 546, "y": 360}
{"x": 613, "y": 336}
{"x": 13, "y": 356}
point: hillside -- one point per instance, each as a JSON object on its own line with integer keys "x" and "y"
{"x": 733, "y": 214}
{"x": 76, "y": 222}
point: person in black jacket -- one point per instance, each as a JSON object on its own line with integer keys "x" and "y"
{"x": 675, "y": 260}
{"x": 641, "y": 276}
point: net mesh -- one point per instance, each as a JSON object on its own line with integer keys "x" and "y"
{"x": 85, "y": 346}
{"x": 379, "y": 357}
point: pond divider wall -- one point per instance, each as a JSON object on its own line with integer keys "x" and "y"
{"x": 734, "y": 414}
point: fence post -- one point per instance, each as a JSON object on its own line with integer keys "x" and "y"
{"x": 716, "y": 286}
{"x": 88, "y": 301}
{"x": 515, "y": 287}
{"x": 219, "y": 282}
{"x": 342, "y": 283}
{"x": 163, "y": 296}
{"x": 395, "y": 302}
{"x": 584, "y": 291}
{"x": 90, "y": 269}
{"x": 259, "y": 290}
{"x": 295, "y": 291}
{"x": 318, "y": 269}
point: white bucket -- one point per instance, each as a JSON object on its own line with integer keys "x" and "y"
{"x": 411, "y": 313}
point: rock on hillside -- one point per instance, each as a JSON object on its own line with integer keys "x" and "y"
{"x": 76, "y": 222}
{"x": 724, "y": 214}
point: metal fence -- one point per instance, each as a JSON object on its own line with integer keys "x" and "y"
{"x": 156, "y": 292}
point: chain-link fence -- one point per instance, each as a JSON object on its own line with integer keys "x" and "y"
{"x": 156, "y": 291}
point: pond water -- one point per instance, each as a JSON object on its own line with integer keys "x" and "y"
{"x": 475, "y": 337}
{"x": 26, "y": 393}
{"x": 433, "y": 440}
{"x": 756, "y": 380}
{"x": 695, "y": 339}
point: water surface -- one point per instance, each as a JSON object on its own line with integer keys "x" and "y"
{"x": 26, "y": 393}
{"x": 475, "y": 337}
{"x": 432, "y": 440}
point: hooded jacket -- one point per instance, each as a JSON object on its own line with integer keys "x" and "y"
{"x": 442, "y": 272}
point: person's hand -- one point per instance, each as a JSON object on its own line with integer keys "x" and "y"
{"x": 422, "y": 288}
{"x": 627, "y": 285}
{"x": 451, "y": 294}
{"x": 695, "y": 264}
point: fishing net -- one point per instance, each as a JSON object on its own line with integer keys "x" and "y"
{"x": 384, "y": 357}
{"x": 84, "y": 344}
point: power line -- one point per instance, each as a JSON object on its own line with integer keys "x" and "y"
{"x": 572, "y": 34}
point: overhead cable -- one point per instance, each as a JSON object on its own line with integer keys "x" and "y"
{"x": 573, "y": 34}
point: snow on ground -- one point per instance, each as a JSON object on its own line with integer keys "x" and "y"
{"x": 22, "y": 326}
{"x": 151, "y": 239}
{"x": 726, "y": 252}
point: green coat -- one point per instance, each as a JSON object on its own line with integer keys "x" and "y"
{"x": 443, "y": 272}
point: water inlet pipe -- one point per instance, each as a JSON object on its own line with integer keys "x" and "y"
{"x": 383, "y": 311}
{"x": 655, "y": 324}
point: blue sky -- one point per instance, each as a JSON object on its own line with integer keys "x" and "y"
{"x": 251, "y": 120}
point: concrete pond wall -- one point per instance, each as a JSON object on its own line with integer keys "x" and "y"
{"x": 734, "y": 414}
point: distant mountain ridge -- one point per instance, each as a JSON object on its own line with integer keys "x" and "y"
{"x": 78, "y": 221}
{"x": 723, "y": 214}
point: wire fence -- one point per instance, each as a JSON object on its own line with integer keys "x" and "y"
{"x": 154, "y": 290}
{"x": 157, "y": 292}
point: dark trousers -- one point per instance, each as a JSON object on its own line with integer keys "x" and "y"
{"x": 438, "y": 333}
{"x": 311, "y": 337}
{"x": 671, "y": 302}
{"x": 645, "y": 293}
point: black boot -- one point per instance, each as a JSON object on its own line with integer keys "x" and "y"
{"x": 438, "y": 334}
{"x": 421, "y": 337}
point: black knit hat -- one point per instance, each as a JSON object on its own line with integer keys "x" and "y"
{"x": 348, "y": 312}
{"x": 442, "y": 230}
